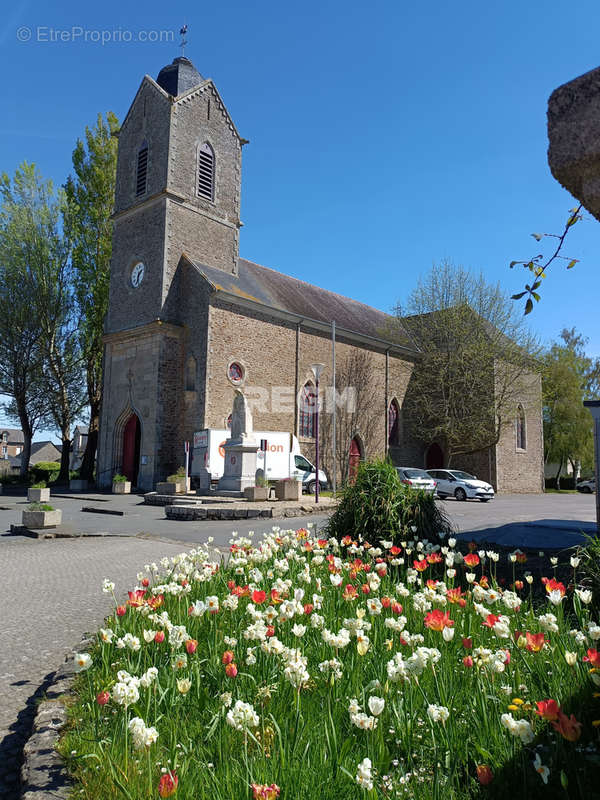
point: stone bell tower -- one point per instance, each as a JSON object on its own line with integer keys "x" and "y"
{"x": 177, "y": 192}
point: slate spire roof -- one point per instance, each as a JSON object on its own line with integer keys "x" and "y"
{"x": 179, "y": 77}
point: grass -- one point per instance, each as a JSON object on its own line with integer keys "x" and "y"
{"x": 356, "y": 666}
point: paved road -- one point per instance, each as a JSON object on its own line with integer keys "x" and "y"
{"x": 50, "y": 589}
{"x": 511, "y": 517}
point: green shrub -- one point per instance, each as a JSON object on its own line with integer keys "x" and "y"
{"x": 45, "y": 471}
{"x": 378, "y": 506}
{"x": 178, "y": 476}
{"x": 39, "y": 485}
{"x": 261, "y": 481}
{"x": 40, "y": 507}
{"x": 118, "y": 478}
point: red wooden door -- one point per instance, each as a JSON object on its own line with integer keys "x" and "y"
{"x": 353, "y": 460}
{"x": 131, "y": 448}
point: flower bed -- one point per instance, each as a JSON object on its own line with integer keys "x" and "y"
{"x": 307, "y": 668}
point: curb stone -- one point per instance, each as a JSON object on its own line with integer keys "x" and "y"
{"x": 43, "y": 774}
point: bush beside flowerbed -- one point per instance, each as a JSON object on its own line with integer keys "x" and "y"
{"x": 307, "y": 668}
{"x": 379, "y": 505}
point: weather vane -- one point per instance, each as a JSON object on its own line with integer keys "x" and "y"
{"x": 182, "y": 33}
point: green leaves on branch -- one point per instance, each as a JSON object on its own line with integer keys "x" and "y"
{"x": 539, "y": 263}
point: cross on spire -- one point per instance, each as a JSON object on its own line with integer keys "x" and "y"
{"x": 182, "y": 33}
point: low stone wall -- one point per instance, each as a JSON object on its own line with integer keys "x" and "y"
{"x": 43, "y": 774}
{"x": 195, "y": 512}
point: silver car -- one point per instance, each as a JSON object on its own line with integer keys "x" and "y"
{"x": 416, "y": 478}
{"x": 587, "y": 487}
{"x": 461, "y": 485}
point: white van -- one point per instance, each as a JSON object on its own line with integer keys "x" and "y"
{"x": 282, "y": 458}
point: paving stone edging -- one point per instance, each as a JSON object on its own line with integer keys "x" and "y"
{"x": 43, "y": 773}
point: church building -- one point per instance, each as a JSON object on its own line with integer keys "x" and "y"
{"x": 190, "y": 321}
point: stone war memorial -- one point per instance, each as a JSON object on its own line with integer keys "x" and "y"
{"x": 240, "y": 450}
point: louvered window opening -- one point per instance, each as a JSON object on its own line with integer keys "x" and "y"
{"x": 206, "y": 173}
{"x": 142, "y": 171}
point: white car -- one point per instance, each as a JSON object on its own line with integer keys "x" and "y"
{"x": 461, "y": 485}
{"x": 587, "y": 486}
{"x": 416, "y": 478}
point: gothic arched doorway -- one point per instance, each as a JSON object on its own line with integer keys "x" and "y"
{"x": 435, "y": 457}
{"x": 132, "y": 435}
{"x": 354, "y": 456}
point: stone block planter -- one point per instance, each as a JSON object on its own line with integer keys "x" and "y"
{"x": 38, "y": 495}
{"x": 42, "y": 519}
{"x": 76, "y": 485}
{"x": 288, "y": 490}
{"x": 171, "y": 487}
{"x": 121, "y": 487}
{"x": 256, "y": 493}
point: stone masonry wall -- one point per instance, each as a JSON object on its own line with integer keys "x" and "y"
{"x": 138, "y": 236}
{"x": 523, "y": 470}
{"x": 207, "y": 231}
{"x": 266, "y": 349}
{"x": 132, "y": 384}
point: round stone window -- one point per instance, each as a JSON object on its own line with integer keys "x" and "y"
{"x": 235, "y": 372}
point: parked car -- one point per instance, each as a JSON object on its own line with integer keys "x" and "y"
{"x": 461, "y": 485}
{"x": 416, "y": 478}
{"x": 587, "y": 487}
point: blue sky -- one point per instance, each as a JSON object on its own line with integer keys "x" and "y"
{"x": 384, "y": 137}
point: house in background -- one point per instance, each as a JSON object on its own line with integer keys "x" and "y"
{"x": 44, "y": 451}
{"x": 11, "y": 442}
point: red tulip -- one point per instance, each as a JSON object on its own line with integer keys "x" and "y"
{"x": 484, "y": 774}
{"x": 227, "y": 657}
{"x": 121, "y": 611}
{"x": 167, "y": 785}
{"x": 568, "y": 727}
{"x": 102, "y": 698}
{"x": 593, "y": 656}
{"x": 548, "y": 709}
{"x": 159, "y": 637}
{"x": 136, "y": 599}
{"x": 258, "y": 596}
{"x": 231, "y": 670}
{"x": 191, "y": 646}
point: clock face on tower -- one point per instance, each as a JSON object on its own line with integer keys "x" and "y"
{"x": 137, "y": 274}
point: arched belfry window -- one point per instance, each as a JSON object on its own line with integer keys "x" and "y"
{"x": 521, "y": 429}
{"x": 141, "y": 174}
{"x": 308, "y": 407}
{"x": 393, "y": 423}
{"x": 206, "y": 172}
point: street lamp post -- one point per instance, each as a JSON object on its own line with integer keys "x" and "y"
{"x": 317, "y": 369}
{"x": 594, "y": 407}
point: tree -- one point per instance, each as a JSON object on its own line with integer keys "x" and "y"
{"x": 355, "y": 381}
{"x": 25, "y": 221}
{"x": 477, "y": 356}
{"x": 37, "y": 249}
{"x": 568, "y": 376}
{"x": 90, "y": 195}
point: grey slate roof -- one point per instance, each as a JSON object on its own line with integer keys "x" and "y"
{"x": 278, "y": 291}
{"x": 178, "y": 77}
{"x": 15, "y": 436}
